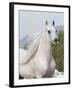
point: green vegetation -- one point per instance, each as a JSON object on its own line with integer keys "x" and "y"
{"x": 58, "y": 52}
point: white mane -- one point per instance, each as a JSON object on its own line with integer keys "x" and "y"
{"x": 31, "y": 47}
{"x": 32, "y": 41}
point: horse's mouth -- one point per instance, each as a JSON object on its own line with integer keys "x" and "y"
{"x": 53, "y": 42}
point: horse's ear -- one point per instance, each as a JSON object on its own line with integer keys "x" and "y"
{"x": 53, "y": 22}
{"x": 46, "y": 23}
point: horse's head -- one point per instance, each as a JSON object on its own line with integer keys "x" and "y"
{"x": 52, "y": 32}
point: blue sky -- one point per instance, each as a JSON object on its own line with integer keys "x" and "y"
{"x": 34, "y": 21}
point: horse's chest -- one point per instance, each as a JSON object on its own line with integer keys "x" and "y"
{"x": 41, "y": 65}
{"x": 42, "y": 60}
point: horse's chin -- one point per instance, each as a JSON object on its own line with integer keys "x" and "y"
{"x": 53, "y": 42}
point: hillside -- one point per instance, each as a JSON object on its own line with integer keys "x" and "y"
{"x": 58, "y": 52}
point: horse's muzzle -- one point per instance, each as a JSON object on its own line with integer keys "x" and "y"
{"x": 57, "y": 40}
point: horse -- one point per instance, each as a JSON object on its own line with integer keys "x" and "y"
{"x": 36, "y": 61}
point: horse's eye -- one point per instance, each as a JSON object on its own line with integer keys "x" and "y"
{"x": 49, "y": 32}
{"x": 56, "y": 30}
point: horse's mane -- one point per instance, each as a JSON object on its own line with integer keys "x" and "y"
{"x": 31, "y": 46}
{"x": 32, "y": 41}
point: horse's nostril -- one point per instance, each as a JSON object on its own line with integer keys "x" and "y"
{"x": 56, "y": 40}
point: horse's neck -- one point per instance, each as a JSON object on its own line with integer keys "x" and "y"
{"x": 44, "y": 45}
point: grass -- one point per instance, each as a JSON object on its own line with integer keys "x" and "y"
{"x": 58, "y": 52}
